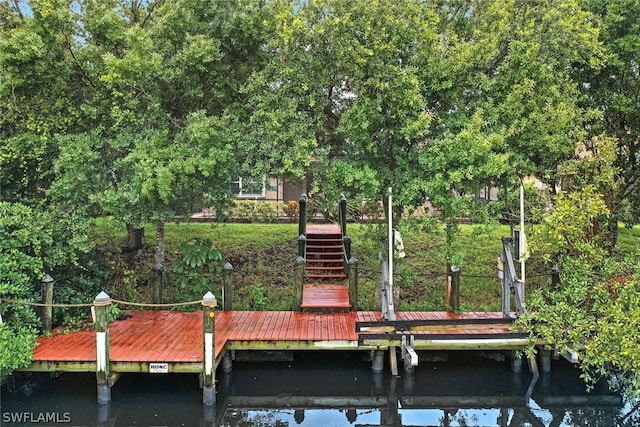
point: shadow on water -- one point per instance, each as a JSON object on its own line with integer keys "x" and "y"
{"x": 324, "y": 389}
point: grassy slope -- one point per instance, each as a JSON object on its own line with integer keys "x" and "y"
{"x": 263, "y": 257}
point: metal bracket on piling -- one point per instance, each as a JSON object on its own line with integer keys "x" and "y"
{"x": 409, "y": 355}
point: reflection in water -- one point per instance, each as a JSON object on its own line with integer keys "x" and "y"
{"x": 464, "y": 391}
{"x": 329, "y": 389}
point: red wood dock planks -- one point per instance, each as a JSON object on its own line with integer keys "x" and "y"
{"x": 168, "y": 336}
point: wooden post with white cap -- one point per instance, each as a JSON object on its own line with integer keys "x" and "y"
{"x": 209, "y": 372}
{"x": 102, "y": 305}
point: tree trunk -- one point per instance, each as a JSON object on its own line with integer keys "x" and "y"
{"x": 158, "y": 266}
{"x": 134, "y": 238}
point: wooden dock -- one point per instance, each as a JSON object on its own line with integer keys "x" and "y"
{"x": 174, "y": 342}
{"x": 176, "y": 338}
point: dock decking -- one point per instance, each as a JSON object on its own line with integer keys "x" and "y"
{"x": 176, "y": 338}
{"x": 198, "y": 342}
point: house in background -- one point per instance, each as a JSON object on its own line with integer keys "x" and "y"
{"x": 265, "y": 188}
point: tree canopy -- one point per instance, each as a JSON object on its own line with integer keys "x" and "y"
{"x": 434, "y": 98}
{"x": 143, "y": 110}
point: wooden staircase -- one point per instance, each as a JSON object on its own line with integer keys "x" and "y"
{"x": 324, "y": 288}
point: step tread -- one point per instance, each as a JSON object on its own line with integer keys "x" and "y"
{"x": 331, "y": 261}
{"x": 325, "y": 296}
{"x": 326, "y": 276}
{"x": 336, "y": 253}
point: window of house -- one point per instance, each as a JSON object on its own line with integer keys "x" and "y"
{"x": 249, "y": 186}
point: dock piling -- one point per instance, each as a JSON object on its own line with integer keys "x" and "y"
{"x": 378, "y": 361}
{"x": 227, "y": 289}
{"x": 47, "y": 299}
{"x": 352, "y": 273}
{"x": 102, "y": 306}
{"x": 453, "y": 289}
{"x": 298, "y": 283}
{"x": 208, "y": 375}
{"x": 545, "y": 360}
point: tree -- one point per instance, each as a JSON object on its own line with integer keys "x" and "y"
{"x": 41, "y": 91}
{"x": 614, "y": 90}
{"x": 32, "y": 243}
{"x": 505, "y": 101}
{"x": 125, "y": 108}
{"x": 342, "y": 86}
{"x": 436, "y": 99}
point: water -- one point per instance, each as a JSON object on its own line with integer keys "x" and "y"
{"x": 324, "y": 390}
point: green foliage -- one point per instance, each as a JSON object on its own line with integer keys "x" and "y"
{"x": 594, "y": 312}
{"x": 537, "y": 203}
{"x": 16, "y": 347}
{"x": 198, "y": 269}
{"x": 80, "y": 286}
{"x": 256, "y": 211}
{"x": 21, "y": 268}
{"x": 258, "y": 299}
{"x": 613, "y": 90}
{"x": 574, "y": 229}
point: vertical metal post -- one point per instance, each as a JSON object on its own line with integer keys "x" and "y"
{"x": 390, "y": 236}
{"x": 453, "y": 289}
{"x": 302, "y": 243}
{"x": 47, "y": 299}
{"x": 386, "y": 291}
{"x": 102, "y": 306}
{"x": 208, "y": 375}
{"x": 353, "y": 283}
{"x": 347, "y": 247}
{"x": 519, "y": 296}
{"x": 299, "y": 283}
{"x": 343, "y": 214}
{"x": 302, "y": 218}
{"x": 506, "y": 286}
{"x": 227, "y": 287}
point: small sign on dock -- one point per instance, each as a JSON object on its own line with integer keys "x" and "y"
{"x": 158, "y": 368}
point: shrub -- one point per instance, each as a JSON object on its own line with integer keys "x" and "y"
{"x": 292, "y": 210}
{"x": 198, "y": 269}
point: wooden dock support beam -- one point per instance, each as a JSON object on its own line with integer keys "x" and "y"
{"x": 102, "y": 306}
{"x": 209, "y": 374}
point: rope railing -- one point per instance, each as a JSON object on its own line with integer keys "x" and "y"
{"x": 116, "y": 301}
{"x": 42, "y": 304}
{"x": 142, "y": 304}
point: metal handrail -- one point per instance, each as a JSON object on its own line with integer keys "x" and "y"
{"x": 511, "y": 283}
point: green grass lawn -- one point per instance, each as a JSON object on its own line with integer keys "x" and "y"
{"x": 263, "y": 257}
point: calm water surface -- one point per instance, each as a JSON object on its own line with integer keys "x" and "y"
{"x": 325, "y": 389}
